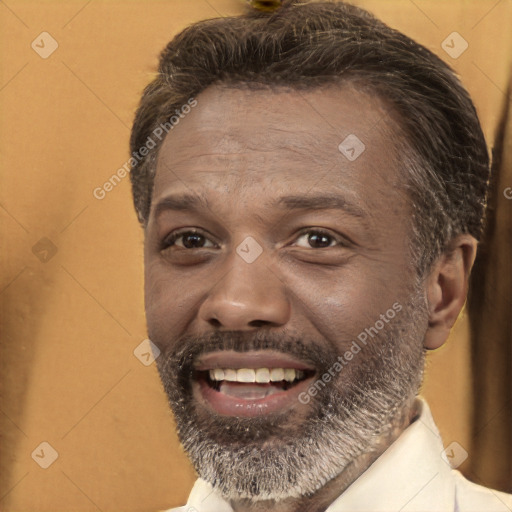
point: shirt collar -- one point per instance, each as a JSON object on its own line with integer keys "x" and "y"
{"x": 409, "y": 476}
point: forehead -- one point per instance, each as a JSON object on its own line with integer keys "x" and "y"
{"x": 334, "y": 136}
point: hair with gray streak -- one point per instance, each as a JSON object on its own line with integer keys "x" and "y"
{"x": 444, "y": 161}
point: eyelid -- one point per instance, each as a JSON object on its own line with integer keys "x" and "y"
{"x": 171, "y": 238}
{"x": 341, "y": 240}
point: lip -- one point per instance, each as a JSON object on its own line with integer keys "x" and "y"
{"x": 252, "y": 359}
{"x": 227, "y": 405}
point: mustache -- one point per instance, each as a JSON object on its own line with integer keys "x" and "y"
{"x": 184, "y": 351}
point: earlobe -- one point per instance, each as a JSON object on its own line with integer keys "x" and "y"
{"x": 447, "y": 286}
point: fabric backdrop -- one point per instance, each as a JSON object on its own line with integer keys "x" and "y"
{"x": 84, "y": 423}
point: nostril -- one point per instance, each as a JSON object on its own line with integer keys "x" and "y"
{"x": 214, "y": 322}
{"x": 258, "y": 323}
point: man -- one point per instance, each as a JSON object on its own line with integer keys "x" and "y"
{"x": 312, "y": 187}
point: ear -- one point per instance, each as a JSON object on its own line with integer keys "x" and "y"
{"x": 447, "y": 287}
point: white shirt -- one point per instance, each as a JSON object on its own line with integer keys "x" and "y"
{"x": 410, "y": 476}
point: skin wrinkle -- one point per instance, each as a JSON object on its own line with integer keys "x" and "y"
{"x": 271, "y": 145}
{"x": 355, "y": 418}
{"x": 363, "y": 238}
{"x": 320, "y": 158}
{"x": 236, "y": 184}
{"x": 257, "y": 161}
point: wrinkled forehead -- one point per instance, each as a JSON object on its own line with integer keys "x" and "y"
{"x": 242, "y": 134}
{"x": 231, "y": 118}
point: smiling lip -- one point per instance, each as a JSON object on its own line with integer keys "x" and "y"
{"x": 254, "y": 359}
{"x": 281, "y": 395}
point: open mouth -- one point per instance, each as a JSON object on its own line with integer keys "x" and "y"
{"x": 253, "y": 383}
{"x": 249, "y": 388}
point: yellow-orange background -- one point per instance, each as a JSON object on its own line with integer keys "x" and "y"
{"x": 70, "y": 325}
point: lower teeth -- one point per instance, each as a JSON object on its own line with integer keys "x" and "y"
{"x": 249, "y": 391}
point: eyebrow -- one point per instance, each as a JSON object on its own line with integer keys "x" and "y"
{"x": 191, "y": 202}
{"x": 322, "y": 202}
{"x": 180, "y": 202}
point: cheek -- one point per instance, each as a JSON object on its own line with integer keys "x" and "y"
{"x": 343, "y": 302}
{"x": 169, "y": 301}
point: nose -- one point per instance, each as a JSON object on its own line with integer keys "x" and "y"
{"x": 249, "y": 295}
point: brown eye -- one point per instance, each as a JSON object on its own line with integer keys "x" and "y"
{"x": 317, "y": 239}
{"x": 188, "y": 240}
{"x": 193, "y": 240}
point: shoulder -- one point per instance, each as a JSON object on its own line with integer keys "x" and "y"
{"x": 471, "y": 497}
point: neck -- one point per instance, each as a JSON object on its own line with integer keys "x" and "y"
{"x": 320, "y": 501}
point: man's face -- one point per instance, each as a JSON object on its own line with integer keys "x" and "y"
{"x": 288, "y": 253}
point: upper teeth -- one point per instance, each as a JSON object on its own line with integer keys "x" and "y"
{"x": 261, "y": 375}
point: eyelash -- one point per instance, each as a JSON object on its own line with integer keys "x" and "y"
{"x": 171, "y": 239}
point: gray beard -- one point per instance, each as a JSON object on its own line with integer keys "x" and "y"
{"x": 277, "y": 458}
